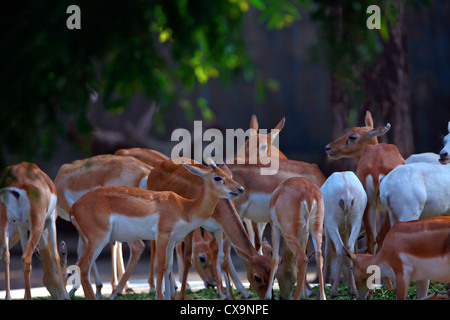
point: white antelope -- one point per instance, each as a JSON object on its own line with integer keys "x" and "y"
{"x": 375, "y": 161}
{"x": 416, "y": 191}
{"x": 345, "y": 200}
{"x": 28, "y": 204}
{"x": 412, "y": 251}
{"x": 127, "y": 214}
{"x": 79, "y": 177}
{"x": 445, "y": 152}
{"x": 431, "y": 157}
{"x": 297, "y": 211}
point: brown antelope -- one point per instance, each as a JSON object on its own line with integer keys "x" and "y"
{"x": 375, "y": 161}
{"x": 28, "y": 204}
{"x": 255, "y": 203}
{"x": 123, "y": 213}
{"x": 205, "y": 257}
{"x": 264, "y": 144}
{"x": 297, "y": 211}
{"x": 202, "y": 253}
{"x": 174, "y": 177}
{"x": 412, "y": 251}
{"x": 79, "y": 177}
{"x": 152, "y": 158}
{"x": 148, "y": 156}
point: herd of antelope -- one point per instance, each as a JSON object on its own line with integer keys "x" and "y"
{"x": 401, "y": 207}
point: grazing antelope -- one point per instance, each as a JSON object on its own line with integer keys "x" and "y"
{"x": 79, "y": 177}
{"x": 412, "y": 251}
{"x": 123, "y": 213}
{"x": 205, "y": 257}
{"x": 174, "y": 177}
{"x": 255, "y": 203}
{"x": 297, "y": 211}
{"x": 28, "y": 204}
{"x": 345, "y": 200}
{"x": 375, "y": 161}
{"x": 445, "y": 152}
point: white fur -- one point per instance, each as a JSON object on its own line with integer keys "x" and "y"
{"x": 434, "y": 269}
{"x": 125, "y": 228}
{"x": 446, "y": 149}
{"x": 18, "y": 209}
{"x": 417, "y": 190}
{"x": 344, "y": 200}
{"x": 429, "y": 157}
{"x": 257, "y": 207}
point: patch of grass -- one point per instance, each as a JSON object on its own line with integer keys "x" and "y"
{"x": 343, "y": 293}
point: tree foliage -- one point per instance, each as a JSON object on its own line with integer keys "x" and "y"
{"x": 162, "y": 48}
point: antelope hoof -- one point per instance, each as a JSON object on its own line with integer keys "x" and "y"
{"x": 98, "y": 292}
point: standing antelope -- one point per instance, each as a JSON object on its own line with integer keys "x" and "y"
{"x": 79, "y": 177}
{"x": 28, "y": 204}
{"x": 445, "y": 152}
{"x": 124, "y": 213}
{"x": 345, "y": 200}
{"x": 375, "y": 161}
{"x": 264, "y": 145}
{"x": 418, "y": 190}
{"x": 174, "y": 177}
{"x": 202, "y": 252}
{"x": 297, "y": 211}
{"x": 152, "y": 158}
{"x": 412, "y": 251}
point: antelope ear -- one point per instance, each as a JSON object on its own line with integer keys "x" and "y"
{"x": 280, "y": 124}
{"x": 194, "y": 170}
{"x": 379, "y": 131}
{"x": 266, "y": 248}
{"x": 276, "y": 131}
{"x": 254, "y": 123}
{"x": 368, "y": 119}
{"x": 243, "y": 255}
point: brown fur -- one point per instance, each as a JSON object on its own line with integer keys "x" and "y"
{"x": 39, "y": 189}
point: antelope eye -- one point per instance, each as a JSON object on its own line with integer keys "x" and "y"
{"x": 217, "y": 178}
{"x": 352, "y": 137}
{"x": 257, "y": 278}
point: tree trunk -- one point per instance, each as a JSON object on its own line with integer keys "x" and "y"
{"x": 386, "y": 85}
